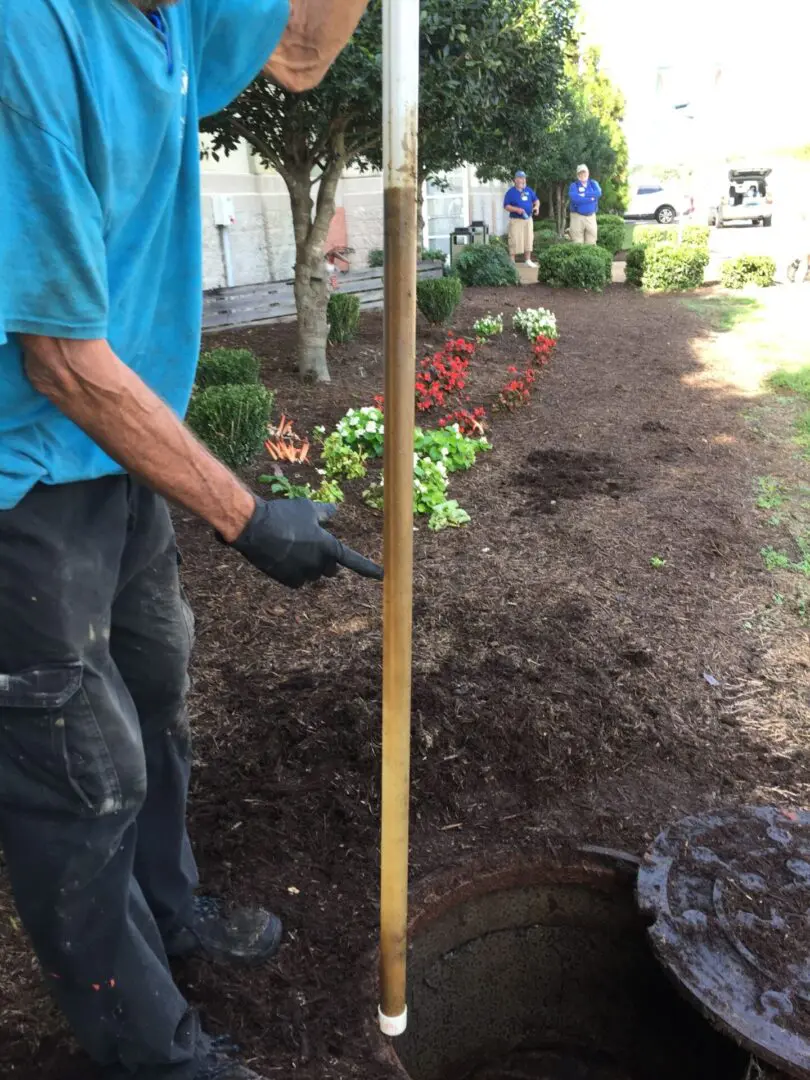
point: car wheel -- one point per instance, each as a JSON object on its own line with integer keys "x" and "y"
{"x": 767, "y": 222}
{"x": 665, "y": 215}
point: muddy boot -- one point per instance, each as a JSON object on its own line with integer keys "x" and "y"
{"x": 248, "y": 936}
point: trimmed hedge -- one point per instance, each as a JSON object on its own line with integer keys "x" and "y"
{"x": 654, "y": 234}
{"x": 748, "y": 270}
{"x": 376, "y": 258}
{"x": 674, "y": 268}
{"x": 575, "y": 266}
{"x": 343, "y": 316}
{"x": 610, "y": 235}
{"x": 696, "y": 235}
{"x": 438, "y": 298}
{"x": 485, "y": 264}
{"x": 227, "y": 367}
{"x": 432, "y": 255}
{"x": 231, "y": 421}
{"x": 634, "y": 266}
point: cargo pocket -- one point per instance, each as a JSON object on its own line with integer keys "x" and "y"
{"x": 53, "y": 756}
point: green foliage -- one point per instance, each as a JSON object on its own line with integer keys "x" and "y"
{"x": 696, "y": 235}
{"x": 376, "y": 258}
{"x": 341, "y": 460}
{"x": 797, "y": 381}
{"x": 500, "y": 242}
{"x": 447, "y": 445}
{"x": 771, "y": 493}
{"x": 328, "y": 491}
{"x": 645, "y": 235}
{"x": 363, "y": 430}
{"x": 343, "y": 316}
{"x": 231, "y": 421}
{"x": 779, "y": 560}
{"x": 748, "y": 270}
{"x": 634, "y": 265}
{"x": 657, "y": 562}
{"x": 534, "y": 322}
{"x": 611, "y": 234}
{"x": 438, "y": 298}
{"x": 723, "y": 313}
{"x": 575, "y": 266}
{"x": 227, "y": 367}
{"x": 433, "y": 255}
{"x": 488, "y": 326}
{"x": 447, "y": 515}
{"x": 485, "y": 264}
{"x": 429, "y": 495}
{"x": 545, "y": 238}
{"x": 673, "y": 268}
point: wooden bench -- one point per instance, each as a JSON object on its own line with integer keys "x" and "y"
{"x": 246, "y": 305}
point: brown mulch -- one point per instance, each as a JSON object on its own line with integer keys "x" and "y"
{"x": 559, "y": 679}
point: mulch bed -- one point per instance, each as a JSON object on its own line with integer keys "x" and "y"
{"x": 559, "y": 689}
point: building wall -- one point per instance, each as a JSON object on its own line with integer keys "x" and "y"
{"x": 261, "y": 240}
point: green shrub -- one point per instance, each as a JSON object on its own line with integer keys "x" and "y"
{"x": 545, "y": 238}
{"x": 696, "y": 235}
{"x": 500, "y": 242}
{"x": 432, "y": 255}
{"x": 485, "y": 264}
{"x": 231, "y": 421}
{"x": 227, "y": 367}
{"x": 608, "y": 219}
{"x": 748, "y": 270}
{"x": 343, "y": 316}
{"x": 611, "y": 234}
{"x": 654, "y": 234}
{"x": 545, "y": 225}
{"x": 575, "y": 266}
{"x": 634, "y": 266}
{"x": 438, "y": 298}
{"x": 376, "y": 258}
{"x": 673, "y": 268}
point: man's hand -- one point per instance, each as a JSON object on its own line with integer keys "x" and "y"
{"x": 317, "y": 31}
{"x": 284, "y": 540}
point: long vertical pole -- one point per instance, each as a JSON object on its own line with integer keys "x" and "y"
{"x": 400, "y": 123}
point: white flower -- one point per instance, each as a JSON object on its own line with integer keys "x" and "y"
{"x": 371, "y": 427}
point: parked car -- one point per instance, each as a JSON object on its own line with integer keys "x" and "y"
{"x": 748, "y": 199}
{"x": 656, "y": 202}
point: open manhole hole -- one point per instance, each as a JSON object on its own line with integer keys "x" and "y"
{"x": 546, "y": 973}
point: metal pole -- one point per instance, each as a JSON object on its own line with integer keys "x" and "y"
{"x": 400, "y": 124}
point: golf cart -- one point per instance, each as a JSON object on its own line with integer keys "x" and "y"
{"x": 748, "y": 199}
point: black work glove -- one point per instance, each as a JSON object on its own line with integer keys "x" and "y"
{"x": 284, "y": 540}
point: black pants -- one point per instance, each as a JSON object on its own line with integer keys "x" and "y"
{"x": 94, "y": 763}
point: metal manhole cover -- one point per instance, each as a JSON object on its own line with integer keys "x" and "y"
{"x": 729, "y": 896}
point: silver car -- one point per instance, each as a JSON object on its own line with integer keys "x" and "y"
{"x": 748, "y": 199}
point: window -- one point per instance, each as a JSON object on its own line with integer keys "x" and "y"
{"x": 649, "y": 190}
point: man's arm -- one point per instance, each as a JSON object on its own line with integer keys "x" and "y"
{"x": 317, "y": 31}
{"x": 597, "y": 189}
{"x": 108, "y": 401}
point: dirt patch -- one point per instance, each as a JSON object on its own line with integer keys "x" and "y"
{"x": 559, "y": 689}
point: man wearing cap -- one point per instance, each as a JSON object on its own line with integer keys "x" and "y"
{"x": 100, "y": 313}
{"x": 522, "y": 204}
{"x": 584, "y": 195}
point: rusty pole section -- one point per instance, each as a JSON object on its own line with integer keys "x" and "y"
{"x": 400, "y": 124}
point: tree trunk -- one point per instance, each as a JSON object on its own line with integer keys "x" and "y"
{"x": 311, "y": 280}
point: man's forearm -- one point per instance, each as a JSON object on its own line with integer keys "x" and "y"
{"x": 108, "y": 401}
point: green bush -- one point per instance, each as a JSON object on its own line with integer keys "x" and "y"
{"x": 231, "y": 421}
{"x": 545, "y": 225}
{"x": 634, "y": 266}
{"x": 608, "y": 219}
{"x": 500, "y": 242}
{"x": 696, "y": 235}
{"x": 432, "y": 255}
{"x": 673, "y": 268}
{"x": 611, "y": 234}
{"x": 485, "y": 264}
{"x": 376, "y": 258}
{"x": 748, "y": 270}
{"x": 654, "y": 234}
{"x": 438, "y": 298}
{"x": 227, "y": 367}
{"x": 545, "y": 238}
{"x": 343, "y": 316}
{"x": 575, "y": 266}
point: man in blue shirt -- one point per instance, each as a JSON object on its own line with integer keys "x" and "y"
{"x": 100, "y": 312}
{"x": 584, "y": 195}
{"x": 522, "y": 204}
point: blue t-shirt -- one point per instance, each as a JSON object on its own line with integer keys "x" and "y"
{"x": 584, "y": 198}
{"x": 100, "y": 196}
{"x": 519, "y": 203}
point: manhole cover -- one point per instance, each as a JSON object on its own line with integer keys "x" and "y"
{"x": 729, "y": 894}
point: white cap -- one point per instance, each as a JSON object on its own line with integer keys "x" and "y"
{"x": 582, "y": 168}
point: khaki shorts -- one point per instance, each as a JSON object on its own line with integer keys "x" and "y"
{"x": 583, "y": 228}
{"x": 521, "y": 236}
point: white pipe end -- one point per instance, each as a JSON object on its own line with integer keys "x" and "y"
{"x": 393, "y": 1025}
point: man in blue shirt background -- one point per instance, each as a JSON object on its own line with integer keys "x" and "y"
{"x": 522, "y": 204}
{"x": 584, "y": 195}
{"x": 100, "y": 318}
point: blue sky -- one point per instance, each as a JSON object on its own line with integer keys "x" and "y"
{"x": 761, "y": 51}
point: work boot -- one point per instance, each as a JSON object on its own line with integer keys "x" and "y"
{"x": 248, "y": 936}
